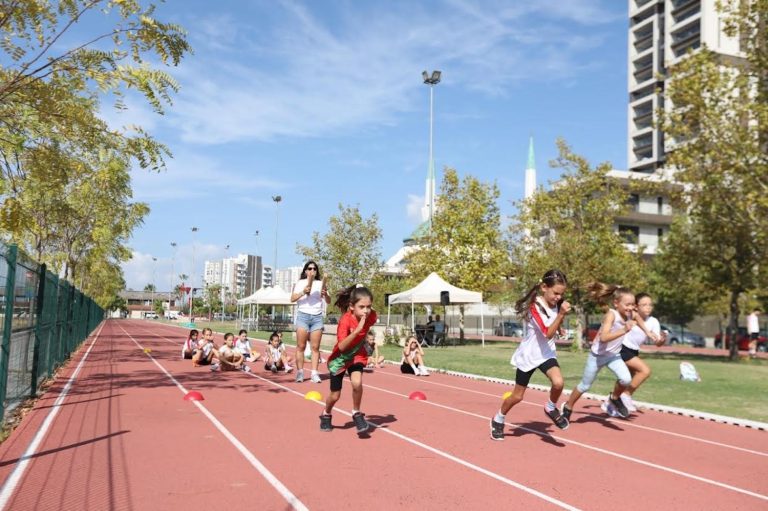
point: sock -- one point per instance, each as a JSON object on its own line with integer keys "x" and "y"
{"x": 355, "y": 411}
{"x": 500, "y": 417}
{"x": 416, "y": 371}
{"x": 550, "y": 406}
{"x": 314, "y": 372}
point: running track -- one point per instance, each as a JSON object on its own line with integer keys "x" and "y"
{"x": 114, "y": 433}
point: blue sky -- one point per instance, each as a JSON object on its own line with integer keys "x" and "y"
{"x": 321, "y": 102}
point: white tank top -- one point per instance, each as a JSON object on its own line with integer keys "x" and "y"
{"x": 313, "y": 302}
{"x": 636, "y": 337}
{"x": 536, "y": 348}
{"x": 614, "y": 346}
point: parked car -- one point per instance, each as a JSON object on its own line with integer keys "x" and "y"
{"x": 743, "y": 339}
{"x": 508, "y": 329}
{"x": 590, "y": 332}
{"x": 151, "y": 315}
{"x": 676, "y": 335}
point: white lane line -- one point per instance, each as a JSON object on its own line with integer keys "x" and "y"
{"x": 435, "y": 450}
{"x": 258, "y": 465}
{"x": 617, "y": 421}
{"x": 586, "y": 446}
{"x": 18, "y": 471}
{"x": 565, "y": 440}
{"x": 429, "y": 448}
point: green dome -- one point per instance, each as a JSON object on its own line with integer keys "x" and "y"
{"x": 422, "y": 231}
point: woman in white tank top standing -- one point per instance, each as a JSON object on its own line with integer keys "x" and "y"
{"x": 606, "y": 348}
{"x": 309, "y": 293}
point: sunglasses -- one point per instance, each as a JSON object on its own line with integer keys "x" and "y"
{"x": 312, "y": 268}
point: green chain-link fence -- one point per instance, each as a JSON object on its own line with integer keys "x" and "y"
{"x": 43, "y": 321}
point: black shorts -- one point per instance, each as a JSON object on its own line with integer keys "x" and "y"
{"x": 188, "y": 354}
{"x": 406, "y": 368}
{"x": 753, "y": 336}
{"x": 338, "y": 379}
{"x": 522, "y": 378}
{"x": 628, "y": 353}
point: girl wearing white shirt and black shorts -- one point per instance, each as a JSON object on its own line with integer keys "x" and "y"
{"x": 543, "y": 309}
{"x": 310, "y": 295}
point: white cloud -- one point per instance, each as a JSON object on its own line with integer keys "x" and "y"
{"x": 315, "y": 79}
{"x": 191, "y": 176}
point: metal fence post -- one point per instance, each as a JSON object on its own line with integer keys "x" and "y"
{"x": 39, "y": 320}
{"x": 5, "y": 348}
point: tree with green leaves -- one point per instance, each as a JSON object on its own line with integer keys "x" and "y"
{"x": 716, "y": 128}
{"x": 464, "y": 245}
{"x": 571, "y": 227}
{"x": 64, "y": 182}
{"x": 349, "y": 252}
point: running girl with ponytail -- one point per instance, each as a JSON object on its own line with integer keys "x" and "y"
{"x": 606, "y": 348}
{"x": 543, "y": 310}
{"x": 349, "y": 355}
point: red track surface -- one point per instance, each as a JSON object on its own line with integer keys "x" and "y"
{"x": 123, "y": 438}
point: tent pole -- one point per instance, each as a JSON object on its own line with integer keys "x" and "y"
{"x": 413, "y": 318}
{"x": 482, "y": 324}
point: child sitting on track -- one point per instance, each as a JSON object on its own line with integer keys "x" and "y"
{"x": 205, "y": 349}
{"x": 229, "y": 359}
{"x": 243, "y": 345}
{"x": 190, "y": 345}
{"x": 275, "y": 357}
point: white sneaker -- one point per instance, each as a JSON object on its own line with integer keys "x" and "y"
{"x": 628, "y": 402}
{"x": 245, "y": 368}
{"x": 288, "y": 369}
{"x": 300, "y": 376}
{"x": 608, "y": 408}
{"x": 215, "y": 367}
{"x": 424, "y": 371}
{"x": 316, "y": 378}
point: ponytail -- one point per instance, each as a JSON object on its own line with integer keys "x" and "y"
{"x": 350, "y": 296}
{"x": 551, "y": 278}
{"x": 599, "y": 292}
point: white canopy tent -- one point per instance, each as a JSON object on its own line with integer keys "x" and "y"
{"x": 273, "y": 295}
{"x": 428, "y": 292}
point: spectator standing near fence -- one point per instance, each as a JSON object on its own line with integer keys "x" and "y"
{"x": 311, "y": 295}
{"x": 753, "y": 329}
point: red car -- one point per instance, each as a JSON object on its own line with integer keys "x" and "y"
{"x": 743, "y": 338}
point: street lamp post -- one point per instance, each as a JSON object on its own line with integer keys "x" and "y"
{"x": 432, "y": 80}
{"x": 170, "y": 292}
{"x": 256, "y": 267}
{"x": 277, "y": 200}
{"x": 154, "y": 268}
{"x": 192, "y": 275}
{"x": 223, "y": 291}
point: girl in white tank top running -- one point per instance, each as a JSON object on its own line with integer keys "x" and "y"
{"x": 606, "y": 347}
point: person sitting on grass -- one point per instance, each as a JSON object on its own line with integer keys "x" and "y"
{"x": 374, "y": 358}
{"x": 413, "y": 358}
{"x": 275, "y": 357}
{"x": 228, "y": 358}
{"x": 205, "y": 349}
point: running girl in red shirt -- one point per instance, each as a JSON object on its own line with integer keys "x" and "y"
{"x": 349, "y": 355}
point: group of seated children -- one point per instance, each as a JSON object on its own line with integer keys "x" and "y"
{"x": 234, "y": 354}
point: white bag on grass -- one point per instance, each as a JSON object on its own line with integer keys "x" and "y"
{"x": 688, "y": 372}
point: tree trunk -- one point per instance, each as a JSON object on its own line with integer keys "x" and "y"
{"x": 581, "y": 320}
{"x": 461, "y": 324}
{"x": 733, "y": 326}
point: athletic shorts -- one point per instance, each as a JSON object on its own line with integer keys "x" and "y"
{"x": 188, "y": 354}
{"x": 628, "y": 353}
{"x": 522, "y": 378}
{"x": 338, "y": 379}
{"x": 753, "y": 336}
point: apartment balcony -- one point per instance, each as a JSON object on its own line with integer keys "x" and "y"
{"x": 642, "y": 9}
{"x": 636, "y": 217}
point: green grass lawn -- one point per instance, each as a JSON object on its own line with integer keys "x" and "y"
{"x": 735, "y": 389}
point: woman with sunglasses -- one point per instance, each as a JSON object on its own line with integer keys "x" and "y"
{"x": 309, "y": 293}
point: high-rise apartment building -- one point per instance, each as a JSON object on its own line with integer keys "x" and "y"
{"x": 660, "y": 33}
{"x": 240, "y": 275}
{"x": 287, "y": 277}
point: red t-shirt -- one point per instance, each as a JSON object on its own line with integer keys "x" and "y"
{"x": 347, "y": 325}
